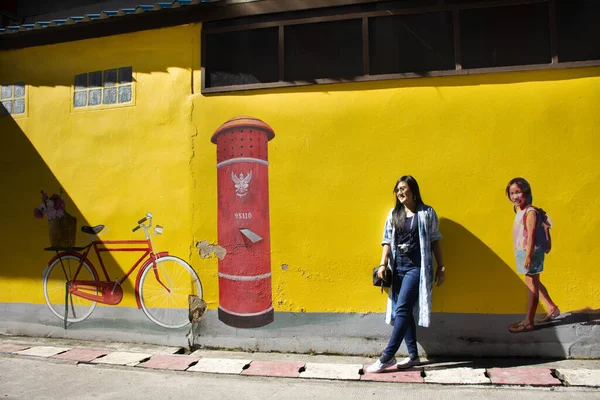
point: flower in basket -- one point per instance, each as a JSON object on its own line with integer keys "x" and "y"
{"x": 52, "y": 207}
{"x": 61, "y": 225}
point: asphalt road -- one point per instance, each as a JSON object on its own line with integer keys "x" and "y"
{"x": 23, "y": 377}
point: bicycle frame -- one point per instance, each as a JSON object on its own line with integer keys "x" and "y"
{"x": 111, "y": 292}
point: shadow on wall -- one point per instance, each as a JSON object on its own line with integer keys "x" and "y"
{"x": 479, "y": 277}
{"x": 23, "y": 174}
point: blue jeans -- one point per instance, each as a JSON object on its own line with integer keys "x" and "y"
{"x": 404, "y": 296}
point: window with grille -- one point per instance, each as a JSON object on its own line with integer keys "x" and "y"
{"x": 111, "y": 87}
{"x": 399, "y": 39}
{"x": 13, "y": 99}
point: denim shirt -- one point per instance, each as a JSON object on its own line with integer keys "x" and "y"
{"x": 428, "y": 232}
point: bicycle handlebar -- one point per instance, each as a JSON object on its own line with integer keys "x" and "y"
{"x": 141, "y": 221}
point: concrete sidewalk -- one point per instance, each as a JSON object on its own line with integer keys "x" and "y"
{"x": 492, "y": 372}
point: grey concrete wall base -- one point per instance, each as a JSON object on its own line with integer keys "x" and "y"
{"x": 473, "y": 335}
{"x": 109, "y": 324}
{"x": 465, "y": 335}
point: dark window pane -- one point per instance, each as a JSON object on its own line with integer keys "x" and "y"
{"x": 7, "y": 106}
{"x": 243, "y": 57}
{"x": 6, "y": 91}
{"x": 110, "y": 96}
{"x": 124, "y": 94}
{"x": 110, "y": 77}
{"x": 411, "y": 43}
{"x": 578, "y": 29}
{"x": 324, "y": 50}
{"x": 80, "y": 99}
{"x": 3, "y": 110}
{"x": 19, "y": 90}
{"x": 95, "y": 97}
{"x": 19, "y": 106}
{"x": 125, "y": 75}
{"x": 503, "y": 36}
{"x": 81, "y": 81}
{"x": 95, "y": 79}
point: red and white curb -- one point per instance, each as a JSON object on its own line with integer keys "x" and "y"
{"x": 174, "y": 362}
{"x": 220, "y": 366}
{"x": 122, "y": 358}
{"x": 42, "y": 351}
{"x": 346, "y": 372}
{"x": 392, "y": 374}
{"x": 275, "y": 368}
{"x": 82, "y": 355}
{"x": 522, "y": 376}
{"x": 579, "y": 377}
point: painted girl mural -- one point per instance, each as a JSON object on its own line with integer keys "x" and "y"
{"x": 531, "y": 236}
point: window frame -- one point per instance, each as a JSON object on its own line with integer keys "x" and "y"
{"x": 103, "y": 106}
{"x": 367, "y": 77}
{"x": 25, "y": 98}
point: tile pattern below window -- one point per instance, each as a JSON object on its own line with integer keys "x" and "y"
{"x": 13, "y": 99}
{"x": 108, "y": 87}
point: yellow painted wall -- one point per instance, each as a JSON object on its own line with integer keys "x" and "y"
{"x": 337, "y": 153}
{"x": 115, "y": 164}
{"x": 339, "y": 149}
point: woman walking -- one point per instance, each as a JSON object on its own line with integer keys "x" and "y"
{"x": 410, "y": 236}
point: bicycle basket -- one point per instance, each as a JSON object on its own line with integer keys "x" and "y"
{"x": 62, "y": 231}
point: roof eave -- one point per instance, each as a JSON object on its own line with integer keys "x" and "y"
{"x": 126, "y": 22}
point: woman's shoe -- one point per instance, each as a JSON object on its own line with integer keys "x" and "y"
{"x": 521, "y": 326}
{"x": 408, "y": 362}
{"x": 378, "y": 366}
{"x": 548, "y": 316}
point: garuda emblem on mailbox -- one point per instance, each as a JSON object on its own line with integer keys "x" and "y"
{"x": 241, "y": 183}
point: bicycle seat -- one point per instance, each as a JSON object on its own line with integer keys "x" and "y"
{"x": 92, "y": 230}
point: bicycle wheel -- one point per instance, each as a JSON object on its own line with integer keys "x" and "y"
{"x": 169, "y": 308}
{"x": 54, "y": 281}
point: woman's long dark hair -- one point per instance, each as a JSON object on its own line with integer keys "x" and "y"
{"x": 399, "y": 214}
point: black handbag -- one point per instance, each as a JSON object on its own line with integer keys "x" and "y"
{"x": 386, "y": 282}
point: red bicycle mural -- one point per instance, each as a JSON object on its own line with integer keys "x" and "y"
{"x": 72, "y": 287}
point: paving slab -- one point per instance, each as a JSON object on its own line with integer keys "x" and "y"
{"x": 43, "y": 351}
{"x": 122, "y": 358}
{"x": 580, "y": 377}
{"x": 12, "y": 348}
{"x": 331, "y": 371}
{"x": 172, "y": 362}
{"x": 82, "y": 355}
{"x": 274, "y": 368}
{"x": 220, "y": 365}
{"x": 523, "y": 376}
{"x": 393, "y": 374}
{"x": 457, "y": 376}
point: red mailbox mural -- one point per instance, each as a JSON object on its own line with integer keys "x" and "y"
{"x": 245, "y": 299}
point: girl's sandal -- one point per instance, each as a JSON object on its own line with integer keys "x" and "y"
{"x": 548, "y": 316}
{"x": 521, "y": 326}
